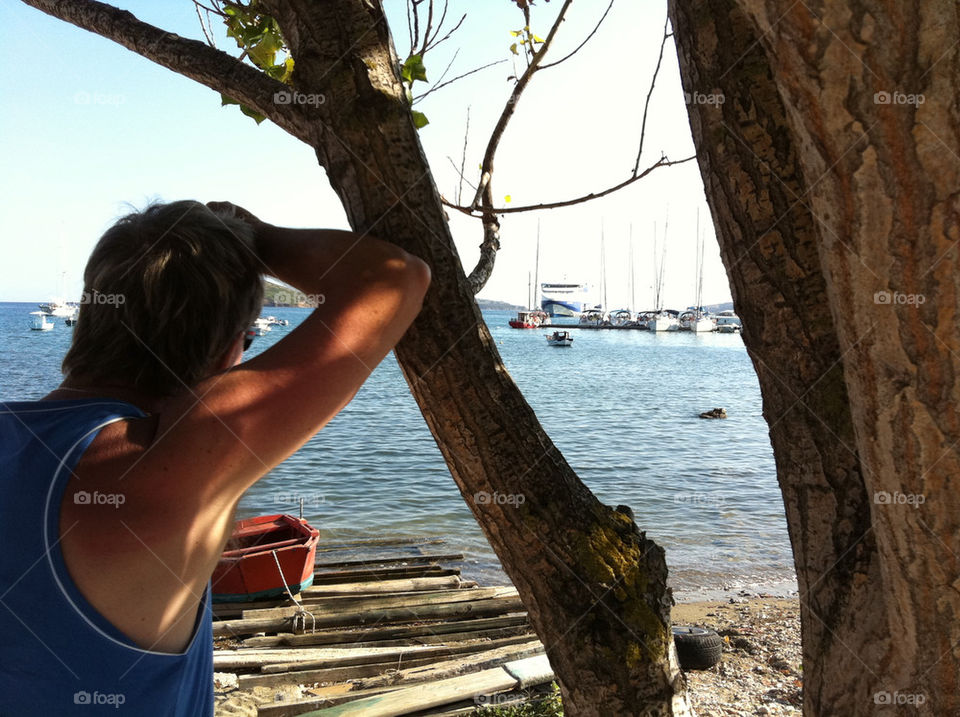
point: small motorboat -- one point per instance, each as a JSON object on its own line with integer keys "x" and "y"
{"x": 560, "y": 338}
{"x": 40, "y": 321}
{"x": 265, "y": 557}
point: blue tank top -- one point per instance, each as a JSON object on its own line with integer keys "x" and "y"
{"x": 58, "y": 654}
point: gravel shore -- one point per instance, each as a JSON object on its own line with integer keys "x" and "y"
{"x": 761, "y": 672}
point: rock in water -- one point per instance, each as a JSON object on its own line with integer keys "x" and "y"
{"x": 715, "y": 413}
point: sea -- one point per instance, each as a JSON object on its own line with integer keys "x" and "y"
{"x": 622, "y": 407}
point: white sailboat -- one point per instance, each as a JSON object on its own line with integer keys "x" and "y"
{"x": 701, "y": 322}
{"x": 662, "y": 320}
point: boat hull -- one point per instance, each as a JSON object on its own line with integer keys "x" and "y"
{"x": 247, "y": 569}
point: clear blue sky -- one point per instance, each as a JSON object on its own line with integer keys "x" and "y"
{"x": 89, "y": 129}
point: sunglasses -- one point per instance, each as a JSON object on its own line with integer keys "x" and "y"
{"x": 248, "y": 339}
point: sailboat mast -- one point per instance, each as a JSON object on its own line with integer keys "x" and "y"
{"x": 603, "y": 269}
{"x": 536, "y": 269}
{"x": 633, "y": 297}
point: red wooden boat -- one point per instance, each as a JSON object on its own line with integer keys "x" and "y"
{"x": 528, "y": 320}
{"x": 248, "y": 568}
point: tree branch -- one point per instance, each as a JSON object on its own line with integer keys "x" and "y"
{"x": 653, "y": 82}
{"x": 585, "y": 41}
{"x": 190, "y": 58}
{"x": 662, "y": 162}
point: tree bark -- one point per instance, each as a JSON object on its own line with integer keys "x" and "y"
{"x": 821, "y": 198}
{"x": 593, "y": 584}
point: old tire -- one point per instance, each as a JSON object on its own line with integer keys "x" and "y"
{"x": 697, "y": 647}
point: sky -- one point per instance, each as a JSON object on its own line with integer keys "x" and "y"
{"x": 90, "y": 130}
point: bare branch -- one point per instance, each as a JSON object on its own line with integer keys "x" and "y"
{"x": 507, "y": 113}
{"x": 653, "y": 82}
{"x": 454, "y": 79}
{"x": 585, "y": 41}
{"x": 662, "y": 162}
{"x": 190, "y": 58}
{"x": 463, "y": 158}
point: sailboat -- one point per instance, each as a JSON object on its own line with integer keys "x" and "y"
{"x": 534, "y": 316}
{"x": 701, "y": 321}
{"x": 661, "y": 320}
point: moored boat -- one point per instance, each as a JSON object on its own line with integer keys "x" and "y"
{"x": 559, "y": 338}
{"x": 40, "y": 321}
{"x": 264, "y": 557}
{"x": 527, "y": 320}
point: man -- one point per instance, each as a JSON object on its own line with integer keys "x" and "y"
{"x": 118, "y": 489}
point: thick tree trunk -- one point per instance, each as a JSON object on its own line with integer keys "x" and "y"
{"x": 594, "y": 586}
{"x": 822, "y": 197}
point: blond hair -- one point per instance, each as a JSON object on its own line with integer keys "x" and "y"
{"x": 166, "y": 292}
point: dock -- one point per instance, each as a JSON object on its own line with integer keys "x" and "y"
{"x": 389, "y": 627}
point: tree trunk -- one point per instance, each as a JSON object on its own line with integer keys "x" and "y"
{"x": 823, "y": 197}
{"x": 594, "y": 586}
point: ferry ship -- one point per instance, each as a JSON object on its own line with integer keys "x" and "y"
{"x": 564, "y": 299}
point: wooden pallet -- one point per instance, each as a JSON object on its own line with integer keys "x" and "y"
{"x": 393, "y": 632}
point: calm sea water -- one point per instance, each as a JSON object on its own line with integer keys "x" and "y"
{"x": 621, "y": 405}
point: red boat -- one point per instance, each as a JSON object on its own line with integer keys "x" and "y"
{"x": 248, "y": 569}
{"x": 528, "y": 320}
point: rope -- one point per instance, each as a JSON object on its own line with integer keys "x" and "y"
{"x": 300, "y": 615}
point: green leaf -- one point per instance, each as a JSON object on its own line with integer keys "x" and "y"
{"x": 413, "y": 70}
{"x": 507, "y": 198}
{"x": 419, "y": 119}
{"x": 253, "y": 114}
{"x": 513, "y": 49}
{"x": 224, "y": 100}
{"x": 515, "y": 33}
{"x": 537, "y": 38}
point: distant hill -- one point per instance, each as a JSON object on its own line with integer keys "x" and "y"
{"x": 489, "y": 304}
{"x": 279, "y": 295}
{"x": 717, "y": 308}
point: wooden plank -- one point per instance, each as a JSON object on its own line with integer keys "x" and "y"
{"x": 406, "y": 632}
{"x": 333, "y": 674}
{"x": 414, "y": 559}
{"x": 329, "y": 695}
{"x": 330, "y": 544}
{"x": 443, "y": 638}
{"x": 489, "y": 607}
{"x": 421, "y": 697}
{"x": 472, "y": 662}
{"x": 335, "y": 694}
{"x": 374, "y": 574}
{"x": 445, "y": 650}
{"x": 442, "y": 692}
{"x": 327, "y": 605}
{"x": 384, "y": 586}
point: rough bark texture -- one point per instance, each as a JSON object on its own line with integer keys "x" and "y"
{"x": 822, "y": 197}
{"x": 595, "y": 587}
